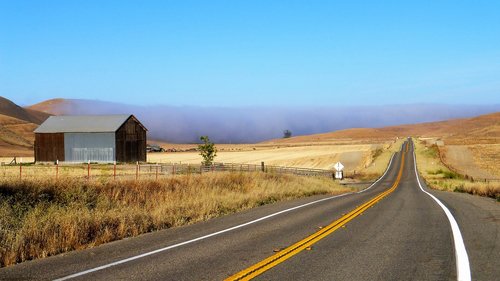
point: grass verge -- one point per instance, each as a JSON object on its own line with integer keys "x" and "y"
{"x": 438, "y": 176}
{"x": 40, "y": 218}
{"x": 378, "y": 162}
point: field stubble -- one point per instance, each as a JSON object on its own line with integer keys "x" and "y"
{"x": 439, "y": 177}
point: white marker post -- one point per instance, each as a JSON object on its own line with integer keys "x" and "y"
{"x": 339, "y": 174}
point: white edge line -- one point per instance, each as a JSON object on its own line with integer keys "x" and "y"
{"x": 196, "y": 239}
{"x": 215, "y": 233}
{"x": 386, "y": 170}
{"x": 461, "y": 258}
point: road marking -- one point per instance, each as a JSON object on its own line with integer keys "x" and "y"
{"x": 386, "y": 170}
{"x": 215, "y": 233}
{"x": 296, "y": 248}
{"x": 461, "y": 258}
{"x": 197, "y": 239}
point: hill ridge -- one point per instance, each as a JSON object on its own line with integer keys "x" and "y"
{"x": 9, "y": 108}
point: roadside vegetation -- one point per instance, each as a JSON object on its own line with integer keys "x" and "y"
{"x": 44, "y": 217}
{"x": 438, "y": 176}
{"x": 379, "y": 159}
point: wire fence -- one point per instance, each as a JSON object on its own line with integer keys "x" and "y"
{"x": 142, "y": 171}
{"x": 462, "y": 172}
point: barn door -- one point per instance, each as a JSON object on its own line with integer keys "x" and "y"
{"x": 131, "y": 151}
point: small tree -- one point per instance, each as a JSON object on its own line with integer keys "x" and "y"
{"x": 287, "y": 134}
{"x": 207, "y": 150}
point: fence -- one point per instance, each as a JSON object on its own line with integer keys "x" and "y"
{"x": 142, "y": 171}
{"x": 461, "y": 172}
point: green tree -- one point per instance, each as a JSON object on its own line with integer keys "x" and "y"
{"x": 207, "y": 150}
{"x": 287, "y": 134}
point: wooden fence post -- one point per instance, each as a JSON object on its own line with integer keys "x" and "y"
{"x": 262, "y": 166}
{"x": 21, "y": 169}
{"x": 88, "y": 170}
{"x": 136, "y": 170}
{"x": 156, "y": 171}
{"x": 57, "y": 170}
{"x": 114, "y": 170}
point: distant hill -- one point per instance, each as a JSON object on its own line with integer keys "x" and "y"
{"x": 185, "y": 124}
{"x": 55, "y": 106}
{"x": 254, "y": 124}
{"x": 481, "y": 129}
{"x": 8, "y": 108}
{"x": 16, "y": 128}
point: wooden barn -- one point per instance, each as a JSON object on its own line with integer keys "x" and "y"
{"x": 95, "y": 138}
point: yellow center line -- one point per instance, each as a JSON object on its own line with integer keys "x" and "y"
{"x": 296, "y": 248}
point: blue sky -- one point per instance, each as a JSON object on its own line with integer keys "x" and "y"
{"x": 251, "y": 53}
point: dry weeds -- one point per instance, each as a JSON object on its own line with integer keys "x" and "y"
{"x": 40, "y": 218}
{"x": 487, "y": 157}
{"x": 439, "y": 177}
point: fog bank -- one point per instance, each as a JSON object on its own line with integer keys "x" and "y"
{"x": 254, "y": 124}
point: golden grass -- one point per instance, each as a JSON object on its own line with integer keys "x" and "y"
{"x": 39, "y": 218}
{"x": 439, "y": 177}
{"x": 368, "y": 159}
{"x": 379, "y": 160}
{"x": 487, "y": 157}
{"x": 312, "y": 156}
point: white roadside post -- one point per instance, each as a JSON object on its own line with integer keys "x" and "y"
{"x": 339, "y": 174}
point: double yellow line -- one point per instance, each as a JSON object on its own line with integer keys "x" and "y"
{"x": 307, "y": 242}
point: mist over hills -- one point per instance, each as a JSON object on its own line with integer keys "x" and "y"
{"x": 254, "y": 124}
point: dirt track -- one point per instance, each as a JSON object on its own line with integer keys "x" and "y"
{"x": 461, "y": 159}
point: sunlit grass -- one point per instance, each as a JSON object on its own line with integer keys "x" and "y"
{"x": 439, "y": 177}
{"x": 44, "y": 217}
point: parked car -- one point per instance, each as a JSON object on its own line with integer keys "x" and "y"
{"x": 154, "y": 148}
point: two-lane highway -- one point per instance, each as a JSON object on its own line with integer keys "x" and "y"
{"x": 391, "y": 231}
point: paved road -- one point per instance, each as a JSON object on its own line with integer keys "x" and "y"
{"x": 404, "y": 236}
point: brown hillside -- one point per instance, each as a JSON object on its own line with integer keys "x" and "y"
{"x": 16, "y": 137}
{"x": 11, "y": 109}
{"x": 481, "y": 129}
{"x": 52, "y": 106}
{"x": 16, "y": 128}
{"x": 21, "y": 128}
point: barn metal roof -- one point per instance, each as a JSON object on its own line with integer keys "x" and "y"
{"x": 83, "y": 124}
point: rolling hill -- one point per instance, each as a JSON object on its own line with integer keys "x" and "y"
{"x": 8, "y": 108}
{"x": 185, "y": 124}
{"x": 55, "y": 107}
{"x": 18, "y": 123}
{"x": 480, "y": 129}
{"x": 16, "y": 128}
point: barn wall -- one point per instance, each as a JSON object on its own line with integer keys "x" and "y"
{"x": 49, "y": 147}
{"x": 131, "y": 142}
{"x": 94, "y": 147}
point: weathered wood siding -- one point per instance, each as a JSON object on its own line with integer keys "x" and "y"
{"x": 131, "y": 142}
{"x": 49, "y": 147}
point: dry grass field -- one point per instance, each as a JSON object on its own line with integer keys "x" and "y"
{"x": 369, "y": 159}
{"x": 438, "y": 176}
{"x": 43, "y": 217}
{"x": 487, "y": 157}
{"x": 476, "y": 161}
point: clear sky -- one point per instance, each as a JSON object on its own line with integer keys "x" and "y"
{"x": 238, "y": 53}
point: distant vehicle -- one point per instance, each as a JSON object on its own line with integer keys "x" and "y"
{"x": 154, "y": 148}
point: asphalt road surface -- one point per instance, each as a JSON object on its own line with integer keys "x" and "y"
{"x": 391, "y": 231}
